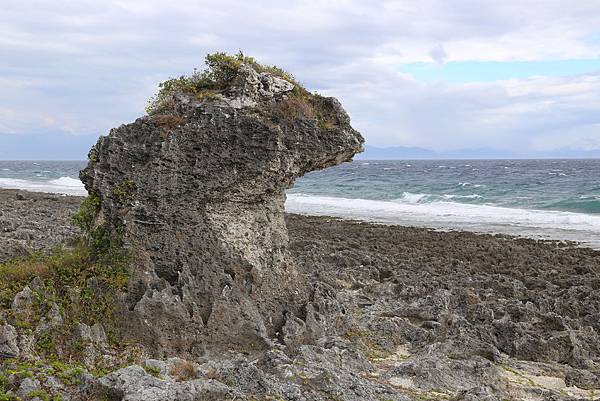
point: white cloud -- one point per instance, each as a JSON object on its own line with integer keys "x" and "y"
{"x": 86, "y": 66}
{"x": 517, "y": 115}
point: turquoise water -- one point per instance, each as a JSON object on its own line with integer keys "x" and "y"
{"x": 547, "y": 199}
{"x": 564, "y": 185}
{"x": 43, "y": 176}
{"x": 553, "y": 199}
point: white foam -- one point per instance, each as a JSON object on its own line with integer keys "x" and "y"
{"x": 468, "y": 184}
{"x": 411, "y": 198}
{"x": 450, "y": 215}
{"x": 472, "y": 196}
{"x": 62, "y": 185}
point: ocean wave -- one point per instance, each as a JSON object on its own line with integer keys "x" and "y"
{"x": 413, "y": 199}
{"x": 62, "y": 185}
{"x": 447, "y": 215}
{"x": 583, "y": 204}
{"x": 468, "y": 184}
{"x": 472, "y": 196}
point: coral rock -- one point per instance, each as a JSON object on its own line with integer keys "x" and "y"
{"x": 201, "y": 206}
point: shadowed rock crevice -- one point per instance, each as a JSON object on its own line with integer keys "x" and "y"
{"x": 199, "y": 192}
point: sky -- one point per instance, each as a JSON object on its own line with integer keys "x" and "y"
{"x": 521, "y": 76}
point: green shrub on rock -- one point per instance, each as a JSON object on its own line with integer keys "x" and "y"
{"x": 222, "y": 69}
{"x": 78, "y": 283}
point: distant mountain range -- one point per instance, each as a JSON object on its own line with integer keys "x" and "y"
{"x": 409, "y": 152}
{"x": 75, "y": 147}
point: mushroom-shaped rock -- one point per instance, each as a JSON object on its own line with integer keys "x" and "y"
{"x": 198, "y": 191}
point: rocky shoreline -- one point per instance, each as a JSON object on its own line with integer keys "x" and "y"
{"x": 188, "y": 282}
{"x": 417, "y": 314}
{"x": 31, "y": 221}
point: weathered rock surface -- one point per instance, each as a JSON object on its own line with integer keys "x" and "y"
{"x": 201, "y": 206}
{"x": 344, "y": 311}
{"x": 9, "y": 347}
{"x": 418, "y": 325}
{"x": 30, "y": 221}
{"x": 133, "y": 383}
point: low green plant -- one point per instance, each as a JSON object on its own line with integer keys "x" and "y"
{"x": 7, "y": 397}
{"x": 124, "y": 191}
{"x": 221, "y": 70}
{"x": 153, "y": 370}
{"x": 81, "y": 279}
{"x": 85, "y": 218}
{"x": 41, "y": 394}
{"x": 71, "y": 376}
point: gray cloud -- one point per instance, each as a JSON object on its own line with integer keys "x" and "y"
{"x": 438, "y": 54}
{"x": 82, "y": 67}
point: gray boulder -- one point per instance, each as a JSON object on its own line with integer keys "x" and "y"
{"x": 23, "y": 301}
{"x": 9, "y": 347}
{"x": 133, "y": 383}
{"x": 28, "y": 386}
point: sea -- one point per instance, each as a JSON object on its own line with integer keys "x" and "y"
{"x": 542, "y": 199}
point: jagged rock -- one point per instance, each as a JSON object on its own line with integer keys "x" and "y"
{"x": 53, "y": 319}
{"x": 430, "y": 371}
{"x": 27, "y": 386}
{"x": 27, "y": 226}
{"x": 12, "y": 248}
{"x": 477, "y": 394}
{"x": 9, "y": 347}
{"x": 294, "y": 332}
{"x": 37, "y": 285}
{"x": 391, "y": 281}
{"x": 201, "y": 206}
{"x": 27, "y": 345}
{"x": 582, "y": 379}
{"x": 94, "y": 334}
{"x": 92, "y": 339}
{"x": 23, "y": 301}
{"x": 133, "y": 383}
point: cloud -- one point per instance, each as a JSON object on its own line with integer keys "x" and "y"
{"x": 83, "y": 67}
{"x": 527, "y": 115}
{"x": 438, "y": 54}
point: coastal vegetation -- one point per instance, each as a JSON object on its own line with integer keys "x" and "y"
{"x": 222, "y": 69}
{"x": 97, "y": 253}
{"x": 54, "y": 296}
{"x": 221, "y": 72}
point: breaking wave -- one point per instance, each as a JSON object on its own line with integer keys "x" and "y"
{"x": 62, "y": 185}
{"x": 412, "y": 209}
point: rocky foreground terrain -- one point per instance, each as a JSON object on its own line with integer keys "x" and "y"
{"x": 32, "y": 221}
{"x": 420, "y": 315}
{"x": 185, "y": 280}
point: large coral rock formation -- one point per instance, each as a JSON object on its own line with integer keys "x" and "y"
{"x": 198, "y": 194}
